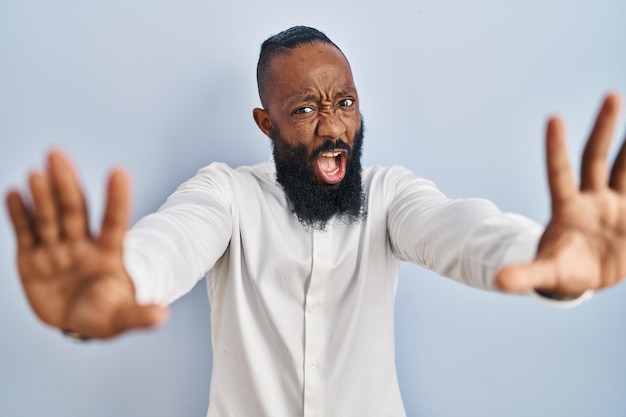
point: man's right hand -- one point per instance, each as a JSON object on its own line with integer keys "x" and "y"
{"x": 76, "y": 281}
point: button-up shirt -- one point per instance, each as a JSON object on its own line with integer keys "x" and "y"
{"x": 302, "y": 319}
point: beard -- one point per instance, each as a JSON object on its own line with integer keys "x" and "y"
{"x": 314, "y": 203}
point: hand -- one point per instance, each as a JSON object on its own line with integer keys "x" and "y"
{"x": 584, "y": 244}
{"x": 75, "y": 281}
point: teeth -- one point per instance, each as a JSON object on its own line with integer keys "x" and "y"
{"x": 331, "y": 154}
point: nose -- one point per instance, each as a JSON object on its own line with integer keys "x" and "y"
{"x": 330, "y": 125}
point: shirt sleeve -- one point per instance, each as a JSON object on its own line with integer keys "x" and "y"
{"x": 166, "y": 253}
{"x": 467, "y": 240}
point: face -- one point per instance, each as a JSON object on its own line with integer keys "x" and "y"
{"x": 313, "y": 119}
{"x": 313, "y": 102}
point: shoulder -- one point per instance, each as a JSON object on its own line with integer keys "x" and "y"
{"x": 393, "y": 177}
{"x": 384, "y": 171}
{"x": 226, "y": 175}
{"x": 390, "y": 187}
{"x": 218, "y": 181}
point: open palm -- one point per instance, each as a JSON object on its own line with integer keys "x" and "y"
{"x": 584, "y": 244}
{"x": 75, "y": 281}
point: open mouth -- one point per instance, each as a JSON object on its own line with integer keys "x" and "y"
{"x": 331, "y": 166}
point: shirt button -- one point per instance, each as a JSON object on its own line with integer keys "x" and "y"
{"x": 321, "y": 254}
{"x": 315, "y": 306}
{"x": 314, "y": 364}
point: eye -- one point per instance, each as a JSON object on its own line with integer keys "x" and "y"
{"x": 303, "y": 110}
{"x": 346, "y": 102}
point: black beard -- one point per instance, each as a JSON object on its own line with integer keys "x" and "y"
{"x": 314, "y": 204}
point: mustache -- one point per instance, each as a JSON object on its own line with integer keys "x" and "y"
{"x": 329, "y": 146}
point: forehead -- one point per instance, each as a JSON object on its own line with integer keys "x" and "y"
{"x": 316, "y": 68}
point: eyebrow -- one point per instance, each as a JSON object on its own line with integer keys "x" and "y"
{"x": 308, "y": 96}
{"x": 304, "y": 98}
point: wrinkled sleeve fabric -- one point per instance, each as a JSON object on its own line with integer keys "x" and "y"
{"x": 166, "y": 253}
{"x": 467, "y": 240}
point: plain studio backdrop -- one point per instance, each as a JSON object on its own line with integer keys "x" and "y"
{"x": 457, "y": 91}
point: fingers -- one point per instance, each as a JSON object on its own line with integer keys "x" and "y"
{"x": 542, "y": 275}
{"x": 527, "y": 277}
{"x": 58, "y": 211}
{"x": 117, "y": 211}
{"x": 129, "y": 317}
{"x": 45, "y": 214}
{"x": 594, "y": 169}
{"x": 618, "y": 172}
{"x": 139, "y": 317}
{"x": 71, "y": 201}
{"x": 20, "y": 219}
{"x": 560, "y": 177}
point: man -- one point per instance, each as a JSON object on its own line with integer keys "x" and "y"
{"x": 301, "y": 253}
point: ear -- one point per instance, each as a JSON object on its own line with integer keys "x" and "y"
{"x": 263, "y": 121}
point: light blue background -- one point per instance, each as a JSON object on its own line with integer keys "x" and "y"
{"x": 458, "y": 91}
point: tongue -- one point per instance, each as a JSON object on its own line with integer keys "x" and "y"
{"x": 327, "y": 165}
{"x": 330, "y": 169}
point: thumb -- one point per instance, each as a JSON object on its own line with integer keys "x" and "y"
{"x": 136, "y": 317}
{"x": 537, "y": 275}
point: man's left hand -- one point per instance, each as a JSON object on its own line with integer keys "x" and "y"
{"x": 584, "y": 245}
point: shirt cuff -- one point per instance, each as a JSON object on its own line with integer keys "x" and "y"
{"x": 563, "y": 303}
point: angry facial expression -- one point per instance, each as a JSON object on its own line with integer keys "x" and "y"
{"x": 312, "y": 100}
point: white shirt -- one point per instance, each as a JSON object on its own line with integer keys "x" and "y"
{"x": 302, "y": 320}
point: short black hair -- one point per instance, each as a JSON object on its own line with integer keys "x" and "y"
{"x": 281, "y": 44}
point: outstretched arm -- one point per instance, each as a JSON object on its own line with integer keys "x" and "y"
{"x": 584, "y": 244}
{"x": 76, "y": 281}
